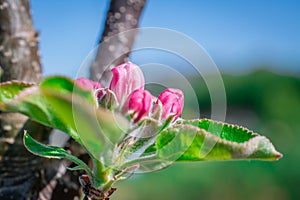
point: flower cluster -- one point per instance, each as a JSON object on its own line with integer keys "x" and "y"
{"x": 127, "y": 91}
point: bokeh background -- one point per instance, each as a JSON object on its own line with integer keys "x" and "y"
{"x": 255, "y": 45}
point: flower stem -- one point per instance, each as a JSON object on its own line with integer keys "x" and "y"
{"x": 101, "y": 175}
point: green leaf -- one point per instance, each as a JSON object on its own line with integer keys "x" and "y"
{"x": 203, "y": 140}
{"x": 52, "y": 152}
{"x": 9, "y": 90}
{"x": 138, "y": 142}
{"x": 97, "y": 128}
{"x": 225, "y": 131}
{"x": 32, "y": 103}
{"x": 60, "y": 104}
{"x": 75, "y": 168}
{"x": 66, "y": 86}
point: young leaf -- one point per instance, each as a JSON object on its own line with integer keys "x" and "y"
{"x": 9, "y": 90}
{"x": 96, "y": 127}
{"x": 60, "y": 104}
{"x": 23, "y": 98}
{"x": 205, "y": 140}
{"x": 32, "y": 103}
{"x": 225, "y": 131}
{"x": 208, "y": 140}
{"x": 52, "y": 152}
{"x": 66, "y": 86}
{"x": 75, "y": 168}
{"x": 138, "y": 143}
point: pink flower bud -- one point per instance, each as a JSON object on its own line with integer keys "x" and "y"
{"x": 87, "y": 84}
{"x": 172, "y": 101}
{"x": 138, "y": 104}
{"x": 126, "y": 78}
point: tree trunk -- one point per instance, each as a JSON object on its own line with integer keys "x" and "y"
{"x": 19, "y": 60}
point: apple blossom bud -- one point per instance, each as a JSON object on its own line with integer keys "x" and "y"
{"x": 172, "y": 101}
{"x": 138, "y": 104}
{"x": 126, "y": 78}
{"x": 87, "y": 84}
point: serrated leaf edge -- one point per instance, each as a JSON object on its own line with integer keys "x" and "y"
{"x": 18, "y": 82}
{"x": 252, "y": 143}
{"x": 224, "y": 124}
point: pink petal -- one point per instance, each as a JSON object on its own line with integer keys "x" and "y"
{"x": 138, "y": 104}
{"x": 172, "y": 103}
{"x": 126, "y": 78}
{"x": 87, "y": 84}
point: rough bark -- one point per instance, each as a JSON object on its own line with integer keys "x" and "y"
{"x": 19, "y": 57}
{"x": 19, "y": 42}
{"x": 19, "y": 60}
{"x": 20, "y": 171}
{"x": 122, "y": 15}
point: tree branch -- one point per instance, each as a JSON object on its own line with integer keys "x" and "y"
{"x": 123, "y": 15}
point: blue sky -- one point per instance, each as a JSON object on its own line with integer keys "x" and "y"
{"x": 238, "y": 35}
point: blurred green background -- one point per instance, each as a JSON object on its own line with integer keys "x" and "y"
{"x": 263, "y": 101}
